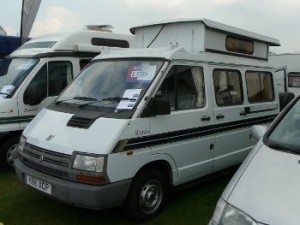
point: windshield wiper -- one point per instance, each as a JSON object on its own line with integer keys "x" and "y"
{"x": 109, "y": 99}
{"x": 117, "y": 99}
{"x": 284, "y": 147}
{"x": 83, "y": 98}
{"x": 89, "y": 103}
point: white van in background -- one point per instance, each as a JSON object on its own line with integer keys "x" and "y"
{"x": 287, "y": 78}
{"x": 33, "y": 75}
{"x": 137, "y": 122}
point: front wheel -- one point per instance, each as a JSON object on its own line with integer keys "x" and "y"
{"x": 8, "y": 153}
{"x": 147, "y": 195}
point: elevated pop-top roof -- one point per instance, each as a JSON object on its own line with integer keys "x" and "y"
{"x": 213, "y": 25}
{"x": 203, "y": 35}
{"x": 86, "y": 39}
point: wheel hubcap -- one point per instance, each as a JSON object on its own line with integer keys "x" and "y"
{"x": 151, "y": 196}
{"x": 11, "y": 155}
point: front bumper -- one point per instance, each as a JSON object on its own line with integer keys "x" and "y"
{"x": 78, "y": 194}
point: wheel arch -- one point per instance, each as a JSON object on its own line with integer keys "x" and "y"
{"x": 5, "y": 135}
{"x": 161, "y": 164}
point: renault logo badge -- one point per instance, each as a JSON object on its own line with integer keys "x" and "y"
{"x": 50, "y": 137}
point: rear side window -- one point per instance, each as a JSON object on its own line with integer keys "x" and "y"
{"x": 259, "y": 86}
{"x": 294, "y": 79}
{"x": 228, "y": 87}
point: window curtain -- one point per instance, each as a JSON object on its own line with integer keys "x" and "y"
{"x": 198, "y": 78}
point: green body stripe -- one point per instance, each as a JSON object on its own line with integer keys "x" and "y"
{"x": 16, "y": 119}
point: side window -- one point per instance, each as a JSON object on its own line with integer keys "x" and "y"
{"x": 39, "y": 82}
{"x": 83, "y": 63}
{"x": 259, "y": 86}
{"x": 51, "y": 79}
{"x": 294, "y": 79}
{"x": 59, "y": 75}
{"x": 228, "y": 87}
{"x": 183, "y": 88}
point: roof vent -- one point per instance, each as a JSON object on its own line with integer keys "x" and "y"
{"x": 104, "y": 28}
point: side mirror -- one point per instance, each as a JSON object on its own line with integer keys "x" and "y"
{"x": 32, "y": 96}
{"x": 258, "y": 131}
{"x": 285, "y": 98}
{"x": 156, "y": 107}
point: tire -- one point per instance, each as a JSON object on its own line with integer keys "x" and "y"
{"x": 147, "y": 195}
{"x": 7, "y": 153}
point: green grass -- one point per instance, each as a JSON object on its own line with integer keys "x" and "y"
{"x": 21, "y": 205}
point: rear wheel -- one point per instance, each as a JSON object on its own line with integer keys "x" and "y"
{"x": 147, "y": 195}
{"x": 8, "y": 153}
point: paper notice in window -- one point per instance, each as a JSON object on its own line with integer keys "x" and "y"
{"x": 7, "y": 89}
{"x": 143, "y": 73}
{"x": 296, "y": 82}
{"x": 130, "y": 97}
{"x": 2, "y": 96}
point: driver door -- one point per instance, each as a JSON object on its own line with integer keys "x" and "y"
{"x": 44, "y": 87}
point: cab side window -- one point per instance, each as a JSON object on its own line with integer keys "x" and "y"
{"x": 39, "y": 82}
{"x": 183, "y": 88}
{"x": 83, "y": 63}
{"x": 59, "y": 75}
{"x": 259, "y": 86}
{"x": 52, "y": 78}
{"x": 228, "y": 87}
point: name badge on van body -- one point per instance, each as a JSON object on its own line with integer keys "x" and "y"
{"x": 142, "y": 132}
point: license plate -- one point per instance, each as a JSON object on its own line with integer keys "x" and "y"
{"x": 39, "y": 185}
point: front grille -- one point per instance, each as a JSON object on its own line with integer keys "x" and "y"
{"x": 52, "y": 163}
{"x": 80, "y": 122}
{"x": 44, "y": 169}
{"x": 56, "y": 158}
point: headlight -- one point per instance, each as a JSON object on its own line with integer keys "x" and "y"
{"x": 226, "y": 214}
{"x": 89, "y": 163}
{"x": 22, "y": 143}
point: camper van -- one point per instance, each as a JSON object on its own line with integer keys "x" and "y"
{"x": 33, "y": 75}
{"x": 136, "y": 122}
{"x": 288, "y": 76}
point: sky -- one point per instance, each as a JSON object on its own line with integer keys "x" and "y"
{"x": 274, "y": 18}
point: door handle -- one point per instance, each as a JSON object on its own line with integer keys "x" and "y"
{"x": 220, "y": 116}
{"x": 243, "y": 113}
{"x": 205, "y": 118}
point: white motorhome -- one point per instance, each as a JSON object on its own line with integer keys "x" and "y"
{"x": 287, "y": 78}
{"x": 137, "y": 122}
{"x": 33, "y": 75}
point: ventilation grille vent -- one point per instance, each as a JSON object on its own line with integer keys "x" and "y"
{"x": 80, "y": 122}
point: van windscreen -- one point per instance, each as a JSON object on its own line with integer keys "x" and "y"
{"x": 13, "y": 72}
{"x": 117, "y": 85}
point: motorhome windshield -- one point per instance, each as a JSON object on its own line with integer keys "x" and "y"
{"x": 286, "y": 135}
{"x": 116, "y": 85}
{"x": 13, "y": 72}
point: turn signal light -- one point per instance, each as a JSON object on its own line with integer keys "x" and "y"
{"x": 90, "y": 179}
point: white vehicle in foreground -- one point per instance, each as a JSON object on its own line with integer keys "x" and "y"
{"x": 265, "y": 188}
{"x": 137, "y": 122}
{"x": 32, "y": 76}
